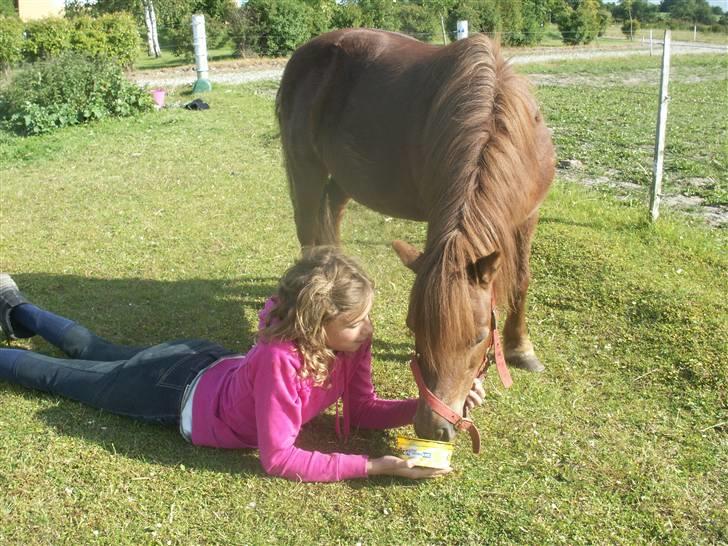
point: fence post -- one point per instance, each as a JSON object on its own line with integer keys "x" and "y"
{"x": 656, "y": 190}
{"x": 650, "y": 42}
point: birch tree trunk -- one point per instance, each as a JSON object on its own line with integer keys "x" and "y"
{"x": 150, "y": 18}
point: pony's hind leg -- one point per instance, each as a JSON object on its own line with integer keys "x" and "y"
{"x": 307, "y": 180}
{"x": 518, "y": 348}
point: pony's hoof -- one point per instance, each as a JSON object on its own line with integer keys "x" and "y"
{"x": 528, "y": 362}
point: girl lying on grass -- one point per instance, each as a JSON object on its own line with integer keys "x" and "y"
{"x": 314, "y": 347}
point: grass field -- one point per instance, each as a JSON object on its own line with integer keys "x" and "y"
{"x": 178, "y": 224}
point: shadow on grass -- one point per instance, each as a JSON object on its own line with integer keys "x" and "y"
{"x": 144, "y": 312}
{"x": 399, "y": 352}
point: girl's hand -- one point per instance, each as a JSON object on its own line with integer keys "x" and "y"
{"x": 394, "y": 466}
{"x": 476, "y": 395}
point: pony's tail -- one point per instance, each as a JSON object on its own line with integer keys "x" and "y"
{"x": 327, "y": 232}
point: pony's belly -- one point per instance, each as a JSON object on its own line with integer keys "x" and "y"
{"x": 384, "y": 195}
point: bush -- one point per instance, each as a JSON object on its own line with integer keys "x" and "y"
{"x": 47, "y": 38}
{"x": 630, "y": 29}
{"x": 68, "y": 90}
{"x": 579, "y": 24}
{"x": 216, "y": 35}
{"x": 347, "y": 15}
{"x": 113, "y": 35}
{"x": 482, "y": 15}
{"x": 87, "y": 36}
{"x": 122, "y": 36}
{"x": 416, "y": 21}
{"x": 240, "y": 30}
{"x": 320, "y": 15}
{"x": 7, "y": 9}
{"x": 277, "y": 27}
{"x": 379, "y": 14}
{"x": 11, "y": 42}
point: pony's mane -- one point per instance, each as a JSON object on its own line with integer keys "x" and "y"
{"x": 480, "y": 124}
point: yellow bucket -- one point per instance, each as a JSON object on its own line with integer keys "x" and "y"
{"x": 428, "y": 453}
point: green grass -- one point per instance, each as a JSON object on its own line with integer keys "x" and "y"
{"x": 178, "y": 224}
{"x": 169, "y": 60}
{"x": 610, "y": 127}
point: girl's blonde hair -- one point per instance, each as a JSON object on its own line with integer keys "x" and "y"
{"x": 321, "y": 285}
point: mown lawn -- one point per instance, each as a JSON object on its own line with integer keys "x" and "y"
{"x": 177, "y": 224}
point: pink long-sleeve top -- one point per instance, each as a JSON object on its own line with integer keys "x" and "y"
{"x": 259, "y": 401}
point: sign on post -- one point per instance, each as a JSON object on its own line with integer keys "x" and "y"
{"x": 462, "y": 30}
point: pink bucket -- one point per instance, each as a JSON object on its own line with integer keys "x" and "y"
{"x": 158, "y": 97}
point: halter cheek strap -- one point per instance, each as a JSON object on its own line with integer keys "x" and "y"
{"x": 443, "y": 410}
{"x": 461, "y": 422}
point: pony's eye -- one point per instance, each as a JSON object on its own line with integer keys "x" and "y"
{"x": 479, "y": 339}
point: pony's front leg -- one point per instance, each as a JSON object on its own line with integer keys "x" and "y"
{"x": 518, "y": 348}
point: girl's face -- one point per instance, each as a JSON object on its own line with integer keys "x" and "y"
{"x": 347, "y": 333}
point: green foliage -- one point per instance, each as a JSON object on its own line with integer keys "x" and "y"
{"x": 122, "y": 36}
{"x": 112, "y": 35}
{"x": 605, "y": 19}
{"x": 320, "y": 15}
{"x": 87, "y": 36}
{"x": 7, "y": 9}
{"x": 417, "y": 21}
{"x": 347, "y": 15}
{"x": 240, "y": 30}
{"x": 380, "y": 14}
{"x": 695, "y": 11}
{"x": 519, "y": 22}
{"x": 482, "y": 15}
{"x": 629, "y": 28}
{"x": 67, "y": 90}
{"x": 11, "y": 41}
{"x": 216, "y": 35}
{"x": 47, "y": 38}
{"x": 277, "y": 27}
{"x": 580, "y": 22}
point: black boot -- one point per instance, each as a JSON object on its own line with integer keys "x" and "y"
{"x": 11, "y": 297}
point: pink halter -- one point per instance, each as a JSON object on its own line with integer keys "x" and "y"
{"x": 462, "y": 422}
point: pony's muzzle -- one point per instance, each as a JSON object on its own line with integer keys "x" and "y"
{"x": 429, "y": 425}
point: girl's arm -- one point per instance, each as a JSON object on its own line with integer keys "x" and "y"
{"x": 368, "y": 411}
{"x": 278, "y": 420}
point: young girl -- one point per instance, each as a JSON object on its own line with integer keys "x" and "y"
{"x": 313, "y": 347}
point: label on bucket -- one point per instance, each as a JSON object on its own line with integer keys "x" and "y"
{"x": 427, "y": 453}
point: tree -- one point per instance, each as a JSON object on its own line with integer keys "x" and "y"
{"x": 417, "y": 21}
{"x": 627, "y": 5}
{"x": 440, "y": 9}
{"x": 579, "y": 24}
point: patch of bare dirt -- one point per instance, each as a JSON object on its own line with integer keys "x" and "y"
{"x": 692, "y": 205}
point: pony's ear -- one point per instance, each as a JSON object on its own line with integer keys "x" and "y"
{"x": 484, "y": 269}
{"x": 409, "y": 255}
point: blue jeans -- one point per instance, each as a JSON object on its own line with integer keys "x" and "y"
{"x": 143, "y": 383}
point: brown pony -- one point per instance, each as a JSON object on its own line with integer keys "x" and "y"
{"x": 447, "y": 135}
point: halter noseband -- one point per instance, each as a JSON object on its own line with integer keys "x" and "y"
{"x": 462, "y": 422}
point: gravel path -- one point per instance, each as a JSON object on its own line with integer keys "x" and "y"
{"x": 244, "y": 72}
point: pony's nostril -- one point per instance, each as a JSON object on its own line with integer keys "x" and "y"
{"x": 444, "y": 434}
